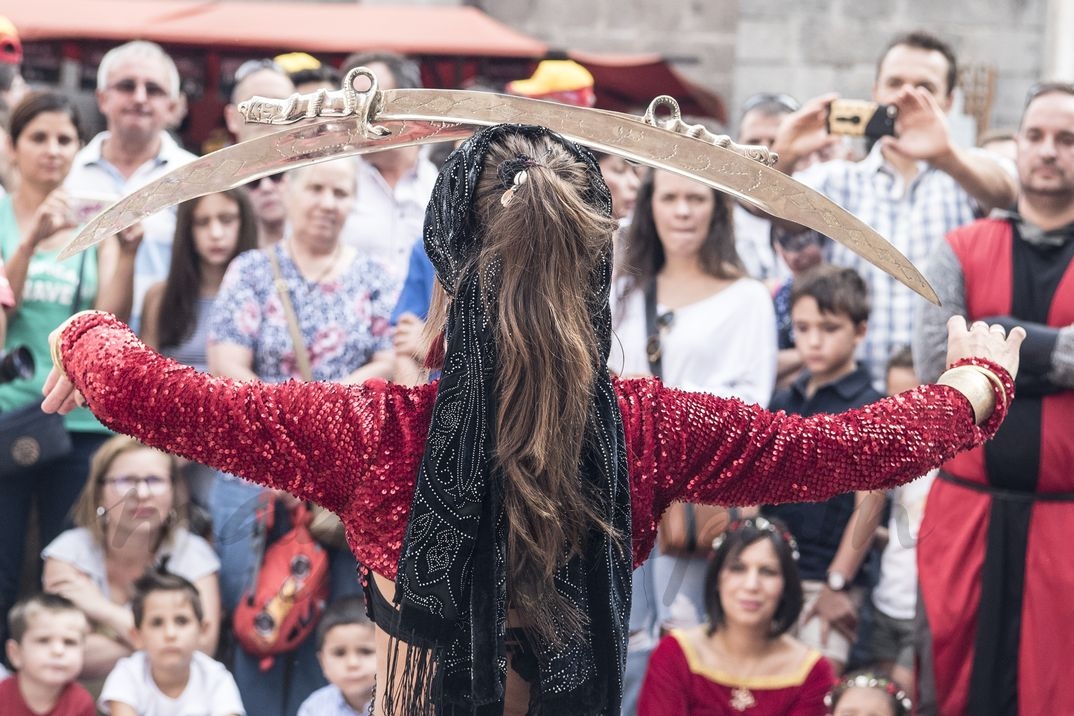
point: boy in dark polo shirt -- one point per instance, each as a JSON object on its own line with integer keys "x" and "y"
{"x": 829, "y": 312}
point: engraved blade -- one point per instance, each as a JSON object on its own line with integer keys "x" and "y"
{"x": 230, "y": 167}
{"x": 423, "y": 116}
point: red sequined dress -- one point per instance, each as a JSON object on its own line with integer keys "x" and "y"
{"x": 355, "y": 449}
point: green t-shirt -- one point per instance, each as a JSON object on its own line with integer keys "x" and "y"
{"x": 46, "y": 303}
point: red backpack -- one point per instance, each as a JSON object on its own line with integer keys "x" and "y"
{"x": 288, "y": 590}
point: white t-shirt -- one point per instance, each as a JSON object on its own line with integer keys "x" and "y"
{"x": 896, "y": 593}
{"x": 211, "y": 690}
{"x": 93, "y": 176}
{"x": 386, "y": 221}
{"x": 724, "y": 344}
{"x": 189, "y": 556}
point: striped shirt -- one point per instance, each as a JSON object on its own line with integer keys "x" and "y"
{"x": 912, "y": 216}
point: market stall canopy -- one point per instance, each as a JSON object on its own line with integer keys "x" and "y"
{"x": 447, "y": 39}
{"x": 312, "y": 27}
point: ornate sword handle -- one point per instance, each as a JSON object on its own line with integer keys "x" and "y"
{"x": 344, "y": 102}
{"x": 675, "y": 123}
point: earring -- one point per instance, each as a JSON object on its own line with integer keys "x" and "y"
{"x": 102, "y": 513}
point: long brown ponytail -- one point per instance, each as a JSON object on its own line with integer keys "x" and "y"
{"x": 544, "y": 245}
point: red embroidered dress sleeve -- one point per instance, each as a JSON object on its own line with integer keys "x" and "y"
{"x": 697, "y": 447}
{"x": 354, "y": 449}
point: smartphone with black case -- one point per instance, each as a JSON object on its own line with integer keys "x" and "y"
{"x": 861, "y": 118}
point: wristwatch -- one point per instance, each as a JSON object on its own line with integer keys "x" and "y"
{"x": 837, "y": 582}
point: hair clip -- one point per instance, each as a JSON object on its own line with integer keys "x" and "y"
{"x": 512, "y": 174}
{"x": 520, "y": 179}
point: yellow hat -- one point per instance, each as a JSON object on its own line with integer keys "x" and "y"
{"x": 559, "y": 80}
{"x": 293, "y": 62}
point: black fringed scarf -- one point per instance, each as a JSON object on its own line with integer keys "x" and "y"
{"x": 451, "y": 583}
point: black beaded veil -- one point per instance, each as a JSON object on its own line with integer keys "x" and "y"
{"x": 451, "y": 581}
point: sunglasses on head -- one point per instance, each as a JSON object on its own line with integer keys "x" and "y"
{"x": 1045, "y": 87}
{"x": 130, "y": 86}
{"x": 251, "y": 66}
{"x": 273, "y": 178}
{"x": 779, "y": 100}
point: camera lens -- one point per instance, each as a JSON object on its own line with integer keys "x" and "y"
{"x": 16, "y": 364}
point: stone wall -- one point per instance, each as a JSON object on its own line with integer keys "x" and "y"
{"x": 803, "y": 47}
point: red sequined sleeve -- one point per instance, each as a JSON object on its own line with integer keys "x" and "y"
{"x": 351, "y": 448}
{"x": 700, "y": 448}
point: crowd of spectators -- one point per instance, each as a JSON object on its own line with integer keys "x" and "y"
{"x": 122, "y": 568}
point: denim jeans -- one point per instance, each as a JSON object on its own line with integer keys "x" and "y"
{"x": 233, "y": 507}
{"x": 290, "y": 678}
{"x": 55, "y": 487}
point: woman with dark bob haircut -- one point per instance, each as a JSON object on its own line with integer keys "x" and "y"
{"x": 743, "y": 658}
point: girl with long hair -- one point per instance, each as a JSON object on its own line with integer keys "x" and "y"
{"x": 210, "y": 231}
{"x": 686, "y": 312}
{"x": 500, "y": 510}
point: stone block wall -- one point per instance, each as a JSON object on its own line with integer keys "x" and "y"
{"x": 802, "y": 47}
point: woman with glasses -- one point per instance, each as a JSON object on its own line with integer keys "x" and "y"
{"x": 36, "y": 220}
{"x": 741, "y": 660}
{"x": 130, "y": 516}
{"x": 686, "y": 312}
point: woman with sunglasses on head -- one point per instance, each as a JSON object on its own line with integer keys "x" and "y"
{"x": 686, "y": 312}
{"x": 36, "y": 220}
{"x": 742, "y": 659}
{"x": 129, "y": 516}
{"x": 500, "y": 510}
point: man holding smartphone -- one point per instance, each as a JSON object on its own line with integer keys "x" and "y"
{"x": 912, "y": 188}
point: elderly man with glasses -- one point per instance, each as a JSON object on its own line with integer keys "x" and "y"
{"x": 138, "y": 94}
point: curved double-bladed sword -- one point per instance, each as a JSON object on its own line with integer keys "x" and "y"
{"x": 328, "y": 125}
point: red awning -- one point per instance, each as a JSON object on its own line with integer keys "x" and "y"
{"x": 311, "y": 27}
{"x": 618, "y": 78}
{"x": 443, "y": 37}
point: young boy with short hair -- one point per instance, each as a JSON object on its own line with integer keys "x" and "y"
{"x": 346, "y": 648}
{"x": 168, "y": 675}
{"x": 829, "y": 312}
{"x": 47, "y": 638}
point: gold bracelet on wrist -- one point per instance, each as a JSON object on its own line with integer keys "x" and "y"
{"x": 992, "y": 378}
{"x": 975, "y": 385}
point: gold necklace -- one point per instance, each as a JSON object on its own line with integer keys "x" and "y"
{"x": 332, "y": 262}
{"x": 741, "y": 697}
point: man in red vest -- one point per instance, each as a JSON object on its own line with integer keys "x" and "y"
{"x": 995, "y": 578}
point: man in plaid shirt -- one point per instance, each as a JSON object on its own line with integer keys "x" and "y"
{"x": 912, "y": 189}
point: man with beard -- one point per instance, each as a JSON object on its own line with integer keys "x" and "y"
{"x": 994, "y": 592}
